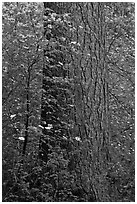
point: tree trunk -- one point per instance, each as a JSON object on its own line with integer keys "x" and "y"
{"x": 98, "y": 97}
{"x": 27, "y": 113}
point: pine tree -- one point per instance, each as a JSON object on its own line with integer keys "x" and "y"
{"x": 55, "y": 97}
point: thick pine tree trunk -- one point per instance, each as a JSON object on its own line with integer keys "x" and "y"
{"x": 100, "y": 132}
{"x": 91, "y": 97}
{"x": 99, "y": 120}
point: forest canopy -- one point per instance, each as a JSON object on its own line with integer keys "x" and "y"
{"x": 68, "y": 108}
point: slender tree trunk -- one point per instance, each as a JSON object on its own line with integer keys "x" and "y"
{"x": 27, "y": 112}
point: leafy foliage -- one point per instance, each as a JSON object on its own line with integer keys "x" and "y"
{"x": 68, "y": 102}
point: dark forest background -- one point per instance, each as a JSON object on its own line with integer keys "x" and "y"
{"x": 68, "y": 101}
